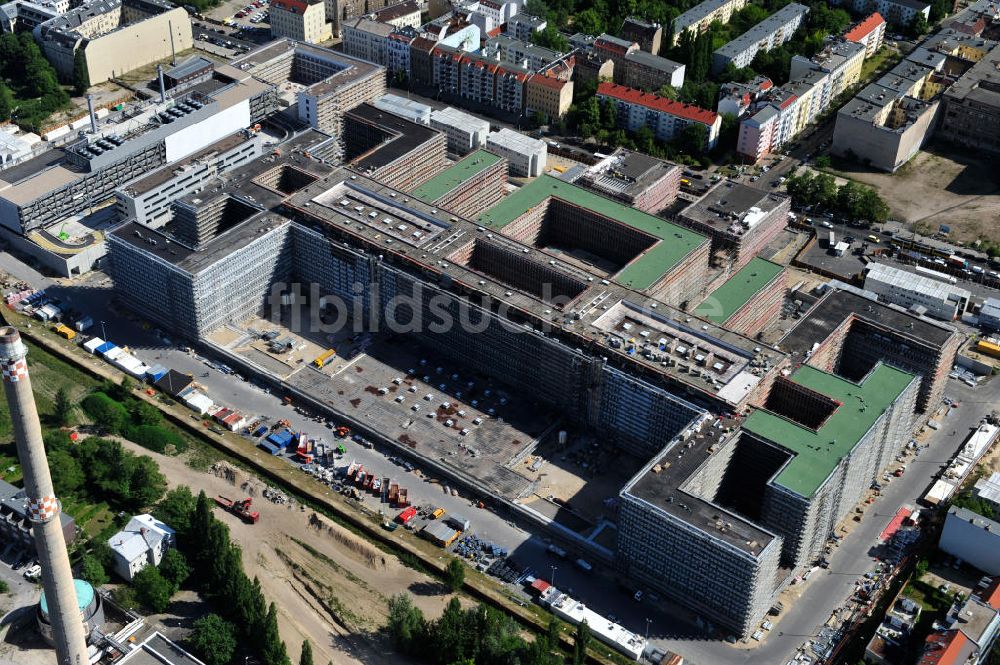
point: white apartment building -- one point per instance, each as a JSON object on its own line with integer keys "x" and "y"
{"x": 773, "y": 31}
{"x": 525, "y": 156}
{"x": 464, "y": 132}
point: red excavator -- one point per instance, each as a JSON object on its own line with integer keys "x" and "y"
{"x": 239, "y": 508}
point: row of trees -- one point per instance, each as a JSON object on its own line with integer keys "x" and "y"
{"x": 476, "y": 636}
{"x": 217, "y": 573}
{"x": 115, "y": 410}
{"x": 29, "y": 87}
{"x": 855, "y": 202}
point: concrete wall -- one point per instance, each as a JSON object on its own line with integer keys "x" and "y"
{"x": 882, "y": 148}
{"x": 137, "y": 45}
{"x": 977, "y": 545}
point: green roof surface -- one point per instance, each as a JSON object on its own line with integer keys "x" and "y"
{"x": 675, "y": 242}
{"x": 738, "y": 290}
{"x": 467, "y": 167}
{"x": 817, "y": 452}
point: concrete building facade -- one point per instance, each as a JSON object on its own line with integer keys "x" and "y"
{"x": 115, "y": 36}
{"x": 464, "y": 132}
{"x": 301, "y": 20}
{"x": 698, "y": 18}
{"x": 770, "y": 33}
{"x": 525, "y": 156}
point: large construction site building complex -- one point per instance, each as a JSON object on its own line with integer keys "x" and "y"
{"x": 580, "y": 305}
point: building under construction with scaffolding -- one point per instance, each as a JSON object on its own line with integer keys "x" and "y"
{"x": 570, "y": 300}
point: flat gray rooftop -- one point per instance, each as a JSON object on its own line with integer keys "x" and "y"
{"x": 727, "y": 200}
{"x": 837, "y": 305}
{"x": 660, "y": 485}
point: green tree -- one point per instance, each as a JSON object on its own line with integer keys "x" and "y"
{"x": 589, "y": 22}
{"x": 67, "y": 475}
{"x": 145, "y": 483}
{"x": 407, "y": 626}
{"x": 143, "y": 413}
{"x": 693, "y": 139}
{"x": 152, "y": 589}
{"x": 550, "y": 37}
{"x": 918, "y": 26}
{"x": 109, "y": 415}
{"x": 63, "y": 407}
{"x": 177, "y": 508}
{"x": 272, "y": 648}
{"x": 81, "y": 76}
{"x": 6, "y": 101}
{"x": 306, "y": 657}
{"x": 580, "y": 642}
{"x": 213, "y": 639}
{"x": 454, "y": 574}
{"x": 174, "y": 568}
{"x": 822, "y": 162}
{"x": 92, "y": 571}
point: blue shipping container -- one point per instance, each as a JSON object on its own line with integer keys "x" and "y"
{"x": 261, "y": 431}
{"x": 274, "y": 450}
{"x": 281, "y": 439}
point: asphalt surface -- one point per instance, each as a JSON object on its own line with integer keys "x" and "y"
{"x": 668, "y": 627}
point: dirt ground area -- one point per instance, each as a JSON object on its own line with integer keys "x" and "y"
{"x": 330, "y": 586}
{"x": 941, "y": 187}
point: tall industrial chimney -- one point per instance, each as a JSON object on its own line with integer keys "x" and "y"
{"x": 93, "y": 117}
{"x": 43, "y": 508}
{"x": 163, "y": 86}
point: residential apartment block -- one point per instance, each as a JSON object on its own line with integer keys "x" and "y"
{"x": 870, "y": 32}
{"x": 367, "y": 39}
{"x": 647, "y": 34}
{"x": 889, "y": 120}
{"x": 301, "y": 20}
{"x": 549, "y": 96}
{"x": 737, "y": 98}
{"x": 115, "y": 36}
{"x": 971, "y": 114}
{"x": 340, "y": 11}
{"x": 770, "y": 33}
{"x": 523, "y": 26}
{"x": 516, "y": 52}
{"x": 636, "y": 68}
{"x": 402, "y": 15}
{"x": 781, "y": 113}
{"x": 898, "y": 12}
{"x": 665, "y": 117}
{"x": 698, "y": 18}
